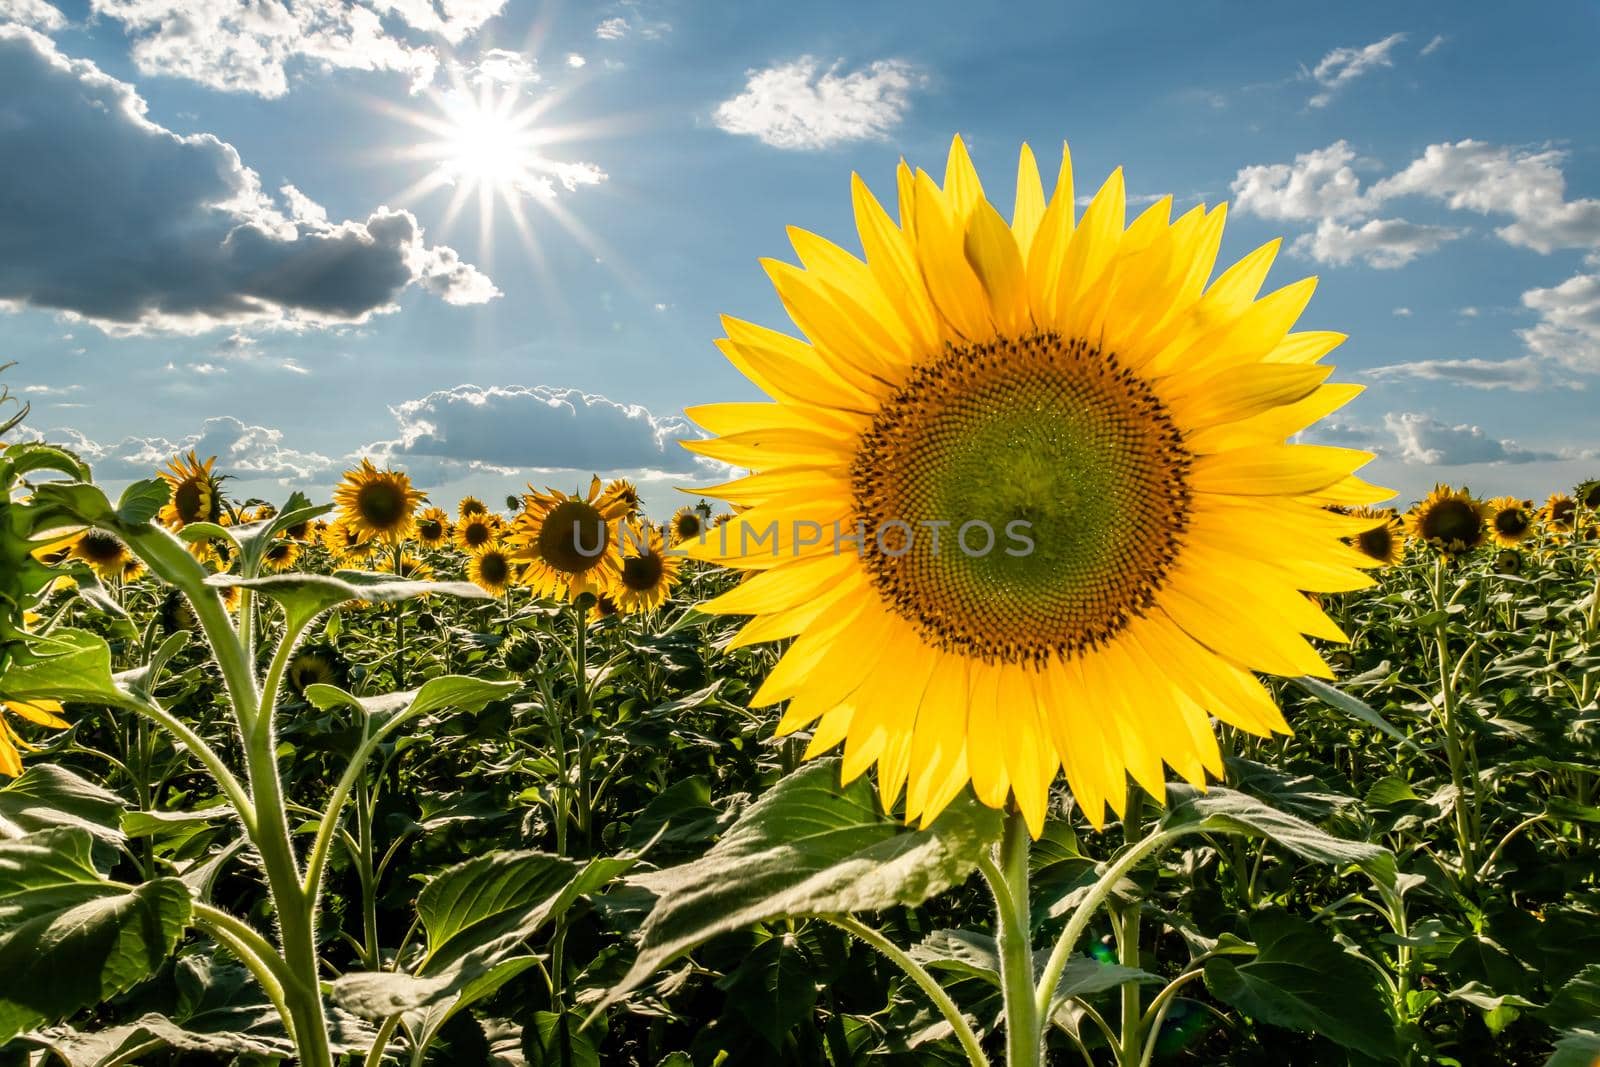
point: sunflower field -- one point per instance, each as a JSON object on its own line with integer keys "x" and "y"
{"x": 1200, "y": 756}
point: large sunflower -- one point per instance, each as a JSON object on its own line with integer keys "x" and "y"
{"x": 1510, "y": 520}
{"x": 568, "y": 542}
{"x": 379, "y": 504}
{"x": 104, "y": 552}
{"x": 1025, "y": 496}
{"x": 1385, "y": 541}
{"x": 433, "y": 528}
{"x": 491, "y": 569}
{"x": 1450, "y": 520}
{"x": 648, "y": 571}
{"x": 196, "y": 493}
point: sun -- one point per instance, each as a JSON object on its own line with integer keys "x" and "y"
{"x": 489, "y": 145}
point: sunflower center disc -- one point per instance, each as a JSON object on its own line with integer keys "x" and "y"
{"x": 190, "y": 500}
{"x": 573, "y": 536}
{"x": 1017, "y": 440}
{"x": 1453, "y": 522}
{"x": 1377, "y": 542}
{"x": 642, "y": 573}
{"x": 494, "y": 568}
{"x": 380, "y": 504}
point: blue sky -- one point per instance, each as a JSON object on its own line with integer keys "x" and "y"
{"x": 235, "y": 231}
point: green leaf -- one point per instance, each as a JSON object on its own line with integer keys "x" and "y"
{"x": 1227, "y": 811}
{"x": 305, "y": 596}
{"x": 774, "y": 989}
{"x": 476, "y": 903}
{"x": 142, "y": 501}
{"x": 1579, "y": 1048}
{"x": 807, "y": 847}
{"x": 555, "y": 1040}
{"x": 66, "y": 665}
{"x": 1301, "y": 979}
{"x": 1577, "y": 1003}
{"x": 47, "y": 796}
{"x": 72, "y": 956}
{"x": 1387, "y": 792}
{"x": 1339, "y": 700}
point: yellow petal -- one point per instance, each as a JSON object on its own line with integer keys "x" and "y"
{"x": 993, "y": 254}
{"x": 1028, "y": 208}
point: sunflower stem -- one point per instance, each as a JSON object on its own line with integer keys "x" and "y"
{"x": 1450, "y": 726}
{"x": 1024, "y": 1029}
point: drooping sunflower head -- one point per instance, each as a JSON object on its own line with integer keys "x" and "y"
{"x": 604, "y": 608}
{"x": 433, "y": 528}
{"x": 569, "y": 543}
{"x": 379, "y": 503}
{"x": 1559, "y": 513}
{"x": 1510, "y": 521}
{"x": 104, "y": 552}
{"x": 316, "y": 664}
{"x": 623, "y": 492}
{"x": 176, "y": 613}
{"x": 478, "y": 531}
{"x": 195, "y": 492}
{"x": 1385, "y": 541}
{"x": 1451, "y": 521}
{"x": 687, "y": 525}
{"x": 346, "y": 543}
{"x": 471, "y": 505}
{"x": 491, "y": 569}
{"x": 281, "y": 555}
{"x": 648, "y": 572}
{"x": 1588, "y": 494}
{"x": 1026, "y": 496}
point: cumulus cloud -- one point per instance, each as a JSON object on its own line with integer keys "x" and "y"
{"x": 1568, "y": 330}
{"x": 35, "y": 13}
{"x": 136, "y": 228}
{"x": 1422, "y": 438}
{"x": 1342, "y": 66}
{"x": 1319, "y": 184}
{"x": 1384, "y": 244}
{"x": 518, "y": 427}
{"x": 241, "y": 449}
{"x": 1519, "y": 375}
{"x": 803, "y": 105}
{"x": 249, "y": 47}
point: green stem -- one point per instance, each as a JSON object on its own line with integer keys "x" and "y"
{"x": 381, "y": 1042}
{"x": 1127, "y": 927}
{"x": 1024, "y": 1018}
{"x": 925, "y": 981}
{"x": 1450, "y": 727}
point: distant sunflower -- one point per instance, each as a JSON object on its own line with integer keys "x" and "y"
{"x": 196, "y": 493}
{"x": 491, "y": 569}
{"x": 176, "y": 613}
{"x": 299, "y": 531}
{"x": 604, "y": 608}
{"x": 1588, "y": 494}
{"x": 281, "y": 556}
{"x": 1559, "y": 513}
{"x": 433, "y": 528}
{"x": 413, "y": 569}
{"x": 647, "y": 574}
{"x": 132, "y": 570}
{"x": 687, "y": 524}
{"x": 347, "y": 544}
{"x": 471, "y": 505}
{"x": 315, "y": 664}
{"x": 1510, "y": 521}
{"x": 1081, "y": 380}
{"x": 46, "y": 713}
{"x": 625, "y": 493}
{"x": 1508, "y": 561}
{"x": 569, "y": 543}
{"x": 1450, "y": 520}
{"x": 232, "y": 597}
{"x": 1385, "y": 541}
{"x": 380, "y": 504}
{"x": 477, "y": 531}
{"x": 103, "y": 552}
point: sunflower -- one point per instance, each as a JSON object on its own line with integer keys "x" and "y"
{"x": 1450, "y": 520}
{"x": 315, "y": 664}
{"x": 1508, "y": 561}
{"x": 413, "y": 569}
{"x": 648, "y": 572}
{"x": 568, "y": 542}
{"x": 346, "y": 544}
{"x": 176, "y": 613}
{"x": 380, "y": 504}
{"x": 478, "y": 531}
{"x": 281, "y": 555}
{"x": 1588, "y": 494}
{"x": 491, "y": 569}
{"x": 196, "y": 493}
{"x": 232, "y": 597}
{"x": 41, "y": 712}
{"x": 604, "y": 608}
{"x": 1510, "y": 520}
{"x": 624, "y": 492}
{"x": 104, "y": 552}
{"x": 471, "y": 505}
{"x": 132, "y": 570}
{"x": 433, "y": 528}
{"x": 1102, "y": 442}
{"x": 1559, "y": 513}
{"x": 1385, "y": 541}
{"x": 687, "y": 525}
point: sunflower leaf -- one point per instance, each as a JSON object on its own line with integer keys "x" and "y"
{"x": 808, "y": 847}
{"x": 142, "y": 501}
{"x": 305, "y": 596}
{"x": 1339, "y": 700}
{"x": 66, "y": 665}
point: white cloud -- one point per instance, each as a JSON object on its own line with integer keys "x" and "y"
{"x": 1384, "y": 244}
{"x": 1402, "y": 313}
{"x": 250, "y": 47}
{"x": 1342, "y": 66}
{"x": 1519, "y": 375}
{"x": 802, "y": 105}
{"x": 612, "y": 29}
{"x": 1434, "y": 45}
{"x": 518, "y": 427}
{"x": 1421, "y": 438}
{"x": 1568, "y": 330}
{"x": 575, "y": 61}
{"x": 34, "y": 13}
{"x": 1469, "y": 312}
{"x": 1319, "y": 184}
{"x": 193, "y": 243}
{"x": 250, "y": 451}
